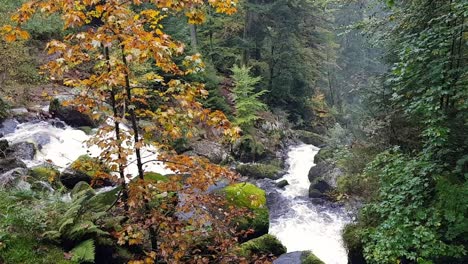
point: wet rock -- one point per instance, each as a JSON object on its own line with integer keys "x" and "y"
{"x": 13, "y": 178}
{"x": 319, "y": 189}
{"x": 58, "y": 123}
{"x": 23, "y": 150}
{"x": 69, "y": 178}
{"x": 70, "y": 114}
{"x": 319, "y": 170}
{"x": 10, "y": 163}
{"x": 8, "y": 126}
{"x": 3, "y": 148}
{"x": 41, "y": 139}
{"x": 289, "y": 258}
{"x": 213, "y": 151}
{"x": 282, "y": 184}
{"x": 259, "y": 171}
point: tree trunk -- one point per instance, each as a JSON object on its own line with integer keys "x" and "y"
{"x": 117, "y": 133}
{"x": 193, "y": 37}
{"x": 133, "y": 117}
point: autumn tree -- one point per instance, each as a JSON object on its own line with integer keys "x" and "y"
{"x": 118, "y": 57}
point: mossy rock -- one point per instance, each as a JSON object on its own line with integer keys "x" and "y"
{"x": 89, "y": 166}
{"x": 352, "y": 240}
{"x": 154, "y": 176}
{"x": 259, "y": 171}
{"x": 324, "y": 154}
{"x": 249, "y": 196}
{"x": 308, "y": 257}
{"x": 266, "y": 244}
{"x": 87, "y": 129}
{"x": 47, "y": 174}
{"x": 81, "y": 187}
{"x": 310, "y": 137}
{"x": 103, "y": 200}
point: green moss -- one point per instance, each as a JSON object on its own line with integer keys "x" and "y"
{"x": 247, "y": 195}
{"x": 310, "y": 137}
{"x": 81, "y": 187}
{"x": 324, "y": 154}
{"x": 154, "y": 176}
{"x": 259, "y": 171}
{"x": 3, "y": 110}
{"x": 47, "y": 174}
{"x": 309, "y": 258}
{"x": 88, "y": 130}
{"x": 266, "y": 244}
{"x": 27, "y": 250}
{"x": 89, "y": 166}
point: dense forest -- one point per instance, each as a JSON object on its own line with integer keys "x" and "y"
{"x": 185, "y": 110}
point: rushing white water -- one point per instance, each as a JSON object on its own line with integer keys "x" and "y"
{"x": 302, "y": 225}
{"x": 62, "y": 146}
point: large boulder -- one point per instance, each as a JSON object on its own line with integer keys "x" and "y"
{"x": 310, "y": 138}
{"x": 327, "y": 172}
{"x": 319, "y": 189}
{"x": 211, "y": 150}
{"x": 259, "y": 171}
{"x": 309, "y": 258}
{"x": 264, "y": 245}
{"x": 250, "y": 197}
{"x": 14, "y": 178}
{"x": 86, "y": 169}
{"x": 4, "y": 146}
{"x": 69, "y": 178}
{"x": 23, "y": 150}
{"x": 10, "y": 163}
{"x": 70, "y": 114}
{"x": 8, "y": 126}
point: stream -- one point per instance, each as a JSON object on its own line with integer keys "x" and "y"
{"x": 297, "y": 222}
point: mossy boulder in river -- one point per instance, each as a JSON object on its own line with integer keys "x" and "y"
{"x": 309, "y": 258}
{"x": 310, "y": 138}
{"x": 86, "y": 169}
{"x": 259, "y": 171}
{"x": 46, "y": 174}
{"x": 266, "y": 244}
{"x": 252, "y": 198}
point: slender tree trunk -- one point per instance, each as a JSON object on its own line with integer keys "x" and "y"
{"x": 133, "y": 117}
{"x": 193, "y": 37}
{"x": 123, "y": 184}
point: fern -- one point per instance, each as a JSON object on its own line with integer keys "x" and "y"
{"x": 84, "y": 252}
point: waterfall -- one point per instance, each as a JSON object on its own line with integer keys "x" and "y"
{"x": 297, "y": 222}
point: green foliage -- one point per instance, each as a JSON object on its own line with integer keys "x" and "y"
{"x": 78, "y": 219}
{"x": 3, "y": 109}
{"x": 84, "y": 252}
{"x": 247, "y": 101}
{"x": 410, "y": 226}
